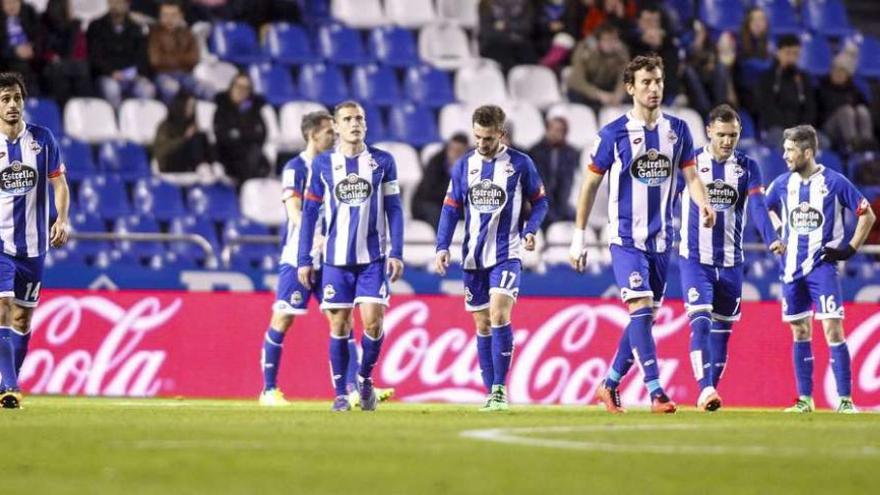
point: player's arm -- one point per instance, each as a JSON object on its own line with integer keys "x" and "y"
{"x": 534, "y": 188}
{"x": 60, "y": 230}
{"x": 394, "y": 214}
{"x": 699, "y": 196}
{"x": 866, "y": 218}
{"x": 312, "y": 200}
{"x": 453, "y": 206}
{"x": 577, "y": 253}
{"x": 758, "y": 210}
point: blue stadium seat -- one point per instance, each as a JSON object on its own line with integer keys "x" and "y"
{"x": 781, "y": 16}
{"x": 235, "y": 42}
{"x": 826, "y": 17}
{"x": 139, "y": 224}
{"x": 77, "y": 157}
{"x": 44, "y": 112}
{"x": 323, "y": 83}
{"x": 429, "y": 86}
{"x": 722, "y": 15}
{"x": 164, "y": 200}
{"x": 771, "y": 162}
{"x": 394, "y": 46}
{"x": 341, "y": 45}
{"x": 274, "y": 82}
{"x": 314, "y": 10}
{"x": 376, "y": 84}
{"x": 377, "y": 129}
{"x": 125, "y": 159}
{"x": 85, "y": 222}
{"x": 104, "y": 196}
{"x": 249, "y": 255}
{"x": 217, "y": 202}
{"x": 748, "y": 135}
{"x": 869, "y": 57}
{"x": 831, "y": 160}
{"x": 413, "y": 124}
{"x": 289, "y": 44}
{"x": 815, "y": 55}
{"x": 192, "y": 225}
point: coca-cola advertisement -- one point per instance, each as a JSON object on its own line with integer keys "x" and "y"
{"x": 142, "y": 343}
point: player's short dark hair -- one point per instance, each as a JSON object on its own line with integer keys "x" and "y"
{"x": 803, "y": 136}
{"x": 649, "y": 62}
{"x": 312, "y": 121}
{"x": 460, "y": 138}
{"x": 489, "y": 116}
{"x": 10, "y": 78}
{"x": 346, "y": 104}
{"x": 724, "y": 113}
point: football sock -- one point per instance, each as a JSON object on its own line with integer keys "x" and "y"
{"x": 502, "y": 352}
{"x": 354, "y": 363}
{"x": 701, "y": 323}
{"x": 272, "y": 345}
{"x": 19, "y": 348}
{"x": 7, "y": 361}
{"x": 803, "y": 367}
{"x": 840, "y": 365}
{"x": 484, "y": 354}
{"x": 338, "y": 362}
{"x": 622, "y": 362}
{"x": 642, "y": 342}
{"x": 718, "y": 338}
{"x": 371, "y": 348}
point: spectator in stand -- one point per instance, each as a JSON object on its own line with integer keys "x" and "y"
{"x": 179, "y": 146}
{"x": 66, "y": 56}
{"x": 596, "y": 77}
{"x": 118, "y": 54}
{"x": 753, "y": 55}
{"x": 556, "y": 162}
{"x": 427, "y": 201}
{"x": 620, "y": 13}
{"x": 506, "y": 30}
{"x": 240, "y": 131}
{"x": 20, "y": 35}
{"x": 785, "y": 95}
{"x": 651, "y": 36}
{"x": 555, "y": 38}
{"x": 843, "y": 109}
{"x": 173, "y": 51}
{"x": 710, "y": 77}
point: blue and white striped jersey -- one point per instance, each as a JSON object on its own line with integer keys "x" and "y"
{"x": 27, "y": 162}
{"x": 811, "y": 211}
{"x": 355, "y": 189}
{"x": 491, "y": 191}
{"x": 729, "y": 185}
{"x": 643, "y": 166}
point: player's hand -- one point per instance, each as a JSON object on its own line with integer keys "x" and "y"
{"x": 777, "y": 247}
{"x": 708, "y": 214}
{"x": 529, "y": 242}
{"x": 59, "y": 233}
{"x": 577, "y": 253}
{"x": 395, "y": 269}
{"x": 833, "y": 255}
{"x": 306, "y": 276}
{"x": 441, "y": 262}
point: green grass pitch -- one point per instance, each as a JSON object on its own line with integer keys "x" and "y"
{"x": 59, "y": 445}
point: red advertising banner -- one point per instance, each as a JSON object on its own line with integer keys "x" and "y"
{"x": 142, "y": 343}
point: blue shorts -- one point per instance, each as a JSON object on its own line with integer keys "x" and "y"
{"x": 715, "y": 289}
{"x": 820, "y": 288}
{"x": 502, "y": 278}
{"x": 346, "y": 286}
{"x": 639, "y": 273}
{"x": 291, "y": 297}
{"x": 21, "y": 278}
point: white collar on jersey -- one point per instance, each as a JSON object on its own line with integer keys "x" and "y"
{"x": 632, "y": 116}
{"x": 501, "y": 151}
{"x": 338, "y": 149}
{"x": 819, "y": 169}
{"x": 20, "y": 134}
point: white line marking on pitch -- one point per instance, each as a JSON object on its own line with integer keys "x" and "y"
{"x": 515, "y": 436}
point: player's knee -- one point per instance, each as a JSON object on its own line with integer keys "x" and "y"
{"x": 801, "y": 329}
{"x": 5, "y": 311}
{"x": 833, "y": 331}
{"x": 499, "y": 317}
{"x": 21, "y": 322}
{"x": 482, "y": 323}
{"x": 281, "y": 321}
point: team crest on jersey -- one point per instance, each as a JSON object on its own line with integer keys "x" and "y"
{"x": 17, "y": 179}
{"x": 468, "y": 295}
{"x": 374, "y": 164}
{"x": 354, "y": 190}
{"x": 824, "y": 190}
{"x": 486, "y": 196}
{"x": 693, "y": 295}
{"x": 329, "y": 292}
{"x": 509, "y": 170}
{"x": 805, "y": 219}
{"x": 635, "y": 280}
{"x": 296, "y": 298}
{"x": 721, "y": 195}
{"x": 738, "y": 171}
{"x": 672, "y": 136}
{"x": 652, "y": 169}
{"x": 35, "y": 147}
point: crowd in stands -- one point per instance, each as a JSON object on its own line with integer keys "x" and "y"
{"x": 232, "y": 78}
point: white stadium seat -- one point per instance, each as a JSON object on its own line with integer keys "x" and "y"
{"x": 215, "y": 75}
{"x": 358, "y": 14}
{"x": 420, "y": 241}
{"x": 455, "y": 117}
{"x": 140, "y": 118}
{"x": 463, "y": 12}
{"x": 290, "y": 119}
{"x": 582, "y": 126}
{"x": 205, "y": 117}
{"x": 259, "y": 200}
{"x": 528, "y": 125}
{"x": 610, "y": 114}
{"x": 90, "y": 119}
{"x": 480, "y": 82}
{"x": 38, "y": 5}
{"x": 535, "y": 84}
{"x": 273, "y": 133}
{"x": 88, "y": 10}
{"x": 428, "y": 152}
{"x": 411, "y": 14}
{"x": 444, "y": 45}
{"x": 409, "y": 170}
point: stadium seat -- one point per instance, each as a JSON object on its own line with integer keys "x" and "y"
{"x": 831, "y": 160}
{"x": 216, "y": 75}
{"x": 142, "y": 223}
{"x": 358, "y": 14}
{"x": 582, "y": 127}
{"x": 428, "y": 86}
{"x": 205, "y": 117}
{"x": 104, "y": 196}
{"x": 88, "y": 10}
{"x": 162, "y": 199}
{"x": 826, "y": 17}
{"x": 429, "y": 150}
{"x": 248, "y": 255}
{"x": 86, "y": 222}
{"x": 462, "y": 12}
{"x": 236, "y": 42}
{"x": 77, "y": 158}
{"x": 480, "y": 82}
{"x": 217, "y": 202}
{"x": 376, "y": 84}
{"x": 748, "y": 134}
{"x": 815, "y": 55}
{"x": 527, "y": 124}
{"x": 273, "y": 133}
{"x": 444, "y": 45}
{"x": 340, "y": 44}
{"x": 139, "y": 119}
{"x": 535, "y": 84}
{"x": 314, "y": 11}
{"x": 869, "y": 57}
{"x": 722, "y": 15}
{"x": 323, "y": 83}
{"x": 394, "y": 46}
{"x": 290, "y": 119}
{"x": 274, "y": 82}
{"x": 190, "y": 224}
{"x": 409, "y": 170}
{"x": 259, "y": 199}
{"x": 771, "y": 162}
{"x": 412, "y": 124}
{"x": 411, "y": 14}
{"x": 289, "y": 44}
{"x": 610, "y": 114}
{"x": 123, "y": 158}
{"x": 90, "y": 119}
{"x": 455, "y": 118}
{"x": 377, "y": 129}
{"x": 781, "y": 16}
{"x": 44, "y": 112}
{"x": 420, "y": 240}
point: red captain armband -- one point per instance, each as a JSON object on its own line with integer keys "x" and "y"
{"x": 863, "y": 207}
{"x": 756, "y": 190}
{"x": 313, "y": 197}
{"x": 290, "y": 193}
{"x": 596, "y": 170}
{"x": 451, "y": 202}
{"x": 62, "y": 170}
{"x": 689, "y": 163}
{"x": 538, "y": 195}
